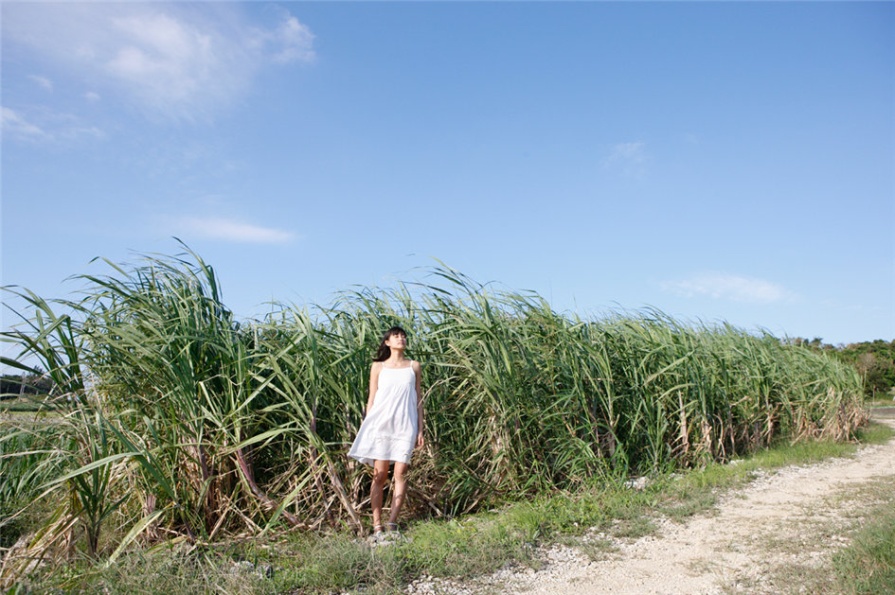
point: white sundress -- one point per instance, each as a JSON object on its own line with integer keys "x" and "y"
{"x": 389, "y": 431}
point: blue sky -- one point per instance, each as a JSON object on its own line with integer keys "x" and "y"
{"x": 717, "y": 161}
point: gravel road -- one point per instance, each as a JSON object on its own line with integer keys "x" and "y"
{"x": 787, "y": 523}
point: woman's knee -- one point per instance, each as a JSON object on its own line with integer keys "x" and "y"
{"x": 380, "y": 476}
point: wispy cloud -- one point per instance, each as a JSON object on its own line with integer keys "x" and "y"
{"x": 171, "y": 59}
{"x": 217, "y": 228}
{"x": 42, "y": 81}
{"x": 735, "y": 288}
{"x": 16, "y": 125}
{"x": 628, "y": 159}
{"x": 290, "y": 41}
{"x": 43, "y": 126}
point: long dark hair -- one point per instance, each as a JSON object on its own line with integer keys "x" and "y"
{"x": 384, "y": 352}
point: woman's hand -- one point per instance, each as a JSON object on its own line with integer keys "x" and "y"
{"x": 420, "y": 440}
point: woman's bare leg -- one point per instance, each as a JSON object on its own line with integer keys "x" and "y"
{"x": 380, "y": 476}
{"x": 398, "y": 495}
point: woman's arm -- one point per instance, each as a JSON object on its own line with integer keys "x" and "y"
{"x": 418, "y": 373}
{"x": 374, "y": 385}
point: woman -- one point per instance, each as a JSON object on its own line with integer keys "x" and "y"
{"x": 393, "y": 425}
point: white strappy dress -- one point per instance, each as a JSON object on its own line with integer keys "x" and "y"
{"x": 389, "y": 431}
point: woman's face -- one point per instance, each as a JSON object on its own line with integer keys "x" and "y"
{"x": 396, "y": 340}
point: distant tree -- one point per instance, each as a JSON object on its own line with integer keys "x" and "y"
{"x": 876, "y": 362}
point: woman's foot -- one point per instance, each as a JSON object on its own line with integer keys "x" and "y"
{"x": 392, "y": 533}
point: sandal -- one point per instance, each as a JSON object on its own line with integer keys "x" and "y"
{"x": 393, "y": 535}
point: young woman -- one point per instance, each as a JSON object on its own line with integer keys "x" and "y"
{"x": 393, "y": 425}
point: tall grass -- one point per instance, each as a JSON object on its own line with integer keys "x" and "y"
{"x": 188, "y": 422}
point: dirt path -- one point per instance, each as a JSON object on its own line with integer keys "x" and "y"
{"x": 781, "y": 527}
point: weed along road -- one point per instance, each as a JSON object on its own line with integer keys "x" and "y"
{"x": 773, "y": 536}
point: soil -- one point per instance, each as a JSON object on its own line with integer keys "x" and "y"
{"x": 769, "y": 537}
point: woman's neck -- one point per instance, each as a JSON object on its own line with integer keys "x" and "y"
{"x": 396, "y": 357}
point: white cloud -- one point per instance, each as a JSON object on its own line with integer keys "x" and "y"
{"x": 43, "y": 126}
{"x": 290, "y": 41}
{"x": 729, "y": 287}
{"x": 91, "y": 96}
{"x": 42, "y": 81}
{"x": 233, "y": 231}
{"x": 174, "y": 60}
{"x": 628, "y": 159}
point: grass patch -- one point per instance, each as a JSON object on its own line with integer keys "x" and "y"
{"x": 867, "y": 565}
{"x": 22, "y": 405}
{"x": 881, "y": 400}
{"x": 875, "y": 433}
{"x": 165, "y": 569}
